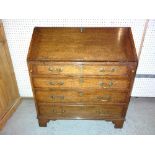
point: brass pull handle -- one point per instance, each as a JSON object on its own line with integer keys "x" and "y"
{"x": 53, "y": 97}
{"x": 103, "y": 70}
{"x": 110, "y": 84}
{"x": 55, "y": 69}
{"x": 57, "y": 112}
{"x": 101, "y": 112}
{"x": 56, "y": 83}
{"x": 104, "y": 98}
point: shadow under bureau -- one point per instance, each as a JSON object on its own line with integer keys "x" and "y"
{"x": 82, "y": 73}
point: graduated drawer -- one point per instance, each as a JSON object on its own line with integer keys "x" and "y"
{"x": 79, "y": 69}
{"x": 83, "y": 82}
{"x": 81, "y": 112}
{"x": 73, "y": 96}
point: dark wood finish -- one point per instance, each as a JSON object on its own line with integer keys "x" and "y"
{"x": 82, "y": 73}
{"x": 9, "y": 95}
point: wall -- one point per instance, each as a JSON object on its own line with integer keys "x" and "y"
{"x": 19, "y": 31}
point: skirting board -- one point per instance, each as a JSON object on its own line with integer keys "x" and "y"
{"x": 9, "y": 113}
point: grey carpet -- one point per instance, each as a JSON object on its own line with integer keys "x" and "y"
{"x": 140, "y": 120}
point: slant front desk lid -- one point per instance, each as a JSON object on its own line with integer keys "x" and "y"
{"x": 82, "y": 44}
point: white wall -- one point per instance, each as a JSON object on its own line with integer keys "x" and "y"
{"x": 18, "y": 33}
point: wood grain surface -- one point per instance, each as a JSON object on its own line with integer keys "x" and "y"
{"x": 9, "y": 95}
{"x": 74, "y": 44}
{"x": 83, "y": 73}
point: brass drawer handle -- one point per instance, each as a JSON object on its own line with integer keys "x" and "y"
{"x": 110, "y": 84}
{"x": 104, "y": 98}
{"x": 55, "y": 69}
{"x": 57, "y": 112}
{"x": 101, "y": 112}
{"x": 53, "y": 97}
{"x": 56, "y": 83}
{"x": 103, "y": 70}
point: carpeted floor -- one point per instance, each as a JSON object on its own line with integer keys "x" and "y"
{"x": 140, "y": 120}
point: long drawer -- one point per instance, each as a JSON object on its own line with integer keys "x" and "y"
{"x": 73, "y": 96}
{"x": 81, "y": 112}
{"x": 77, "y": 69}
{"x": 83, "y": 82}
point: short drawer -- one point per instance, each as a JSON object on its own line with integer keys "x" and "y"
{"x": 82, "y": 112}
{"x": 80, "y": 69}
{"x": 105, "y": 70}
{"x": 73, "y": 96}
{"x": 56, "y": 69}
{"x": 83, "y": 82}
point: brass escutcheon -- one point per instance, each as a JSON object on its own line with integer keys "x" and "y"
{"x": 81, "y": 80}
{"x": 81, "y": 93}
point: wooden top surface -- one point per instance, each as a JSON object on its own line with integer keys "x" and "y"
{"x": 86, "y": 44}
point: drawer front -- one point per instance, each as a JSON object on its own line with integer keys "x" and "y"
{"x": 76, "y": 96}
{"x": 56, "y": 69}
{"x": 105, "y": 70}
{"x": 72, "y": 111}
{"x": 97, "y": 83}
{"x": 80, "y": 70}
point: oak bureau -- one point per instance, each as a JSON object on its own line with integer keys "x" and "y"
{"x": 82, "y": 73}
